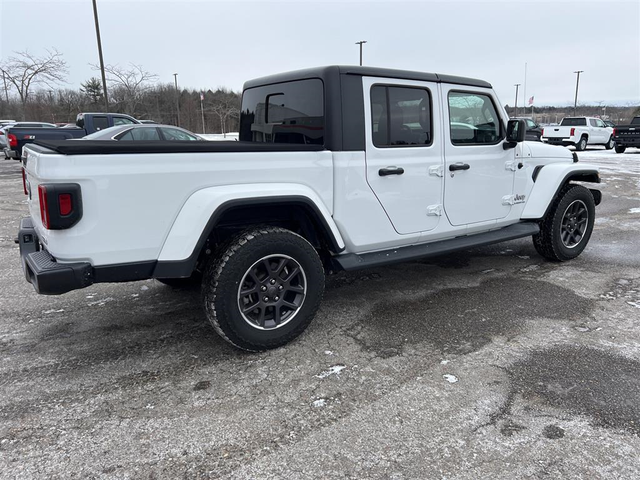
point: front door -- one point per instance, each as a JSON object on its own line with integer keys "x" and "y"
{"x": 479, "y": 172}
{"x": 404, "y": 151}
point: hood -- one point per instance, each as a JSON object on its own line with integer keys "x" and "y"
{"x": 539, "y": 149}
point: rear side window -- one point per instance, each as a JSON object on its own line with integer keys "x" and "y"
{"x": 574, "y": 122}
{"x": 473, "y": 119}
{"x": 401, "y": 116}
{"x": 122, "y": 121}
{"x": 140, "y": 134}
{"x": 100, "y": 123}
{"x": 290, "y": 112}
{"x": 593, "y": 122}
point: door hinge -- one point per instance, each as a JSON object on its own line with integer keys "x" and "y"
{"x": 434, "y": 210}
{"x": 513, "y": 166}
{"x": 436, "y": 170}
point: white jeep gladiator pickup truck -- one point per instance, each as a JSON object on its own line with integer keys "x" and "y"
{"x": 337, "y": 168}
{"x": 579, "y": 132}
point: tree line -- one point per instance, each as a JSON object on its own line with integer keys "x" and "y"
{"x": 32, "y": 90}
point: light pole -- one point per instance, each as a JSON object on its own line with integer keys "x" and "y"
{"x": 361, "y": 42}
{"x": 175, "y": 78}
{"x": 575, "y": 102}
{"x": 517, "y": 85}
{"x": 104, "y": 78}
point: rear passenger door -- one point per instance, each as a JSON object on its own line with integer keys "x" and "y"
{"x": 404, "y": 151}
{"x": 479, "y": 172}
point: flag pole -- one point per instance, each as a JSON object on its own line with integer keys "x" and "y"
{"x": 202, "y": 110}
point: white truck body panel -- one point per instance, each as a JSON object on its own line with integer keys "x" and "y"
{"x": 595, "y": 131}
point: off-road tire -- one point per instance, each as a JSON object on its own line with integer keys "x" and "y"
{"x": 548, "y": 242}
{"x": 620, "y": 149}
{"x": 225, "y": 272}
{"x": 582, "y": 144}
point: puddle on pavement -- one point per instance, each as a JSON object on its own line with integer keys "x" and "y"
{"x": 583, "y": 381}
{"x": 463, "y": 320}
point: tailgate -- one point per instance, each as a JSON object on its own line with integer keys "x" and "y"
{"x": 557, "y": 132}
{"x": 627, "y": 133}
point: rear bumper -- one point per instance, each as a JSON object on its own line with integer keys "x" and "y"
{"x": 42, "y": 270}
{"x": 627, "y": 142}
{"x": 49, "y": 277}
{"x": 11, "y": 153}
{"x": 565, "y": 142}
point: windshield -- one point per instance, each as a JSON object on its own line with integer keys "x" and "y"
{"x": 573, "y": 122}
{"x": 635, "y": 121}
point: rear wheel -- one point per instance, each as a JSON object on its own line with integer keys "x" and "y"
{"x": 567, "y": 226}
{"x": 582, "y": 144}
{"x": 620, "y": 149}
{"x": 263, "y": 289}
{"x": 610, "y": 144}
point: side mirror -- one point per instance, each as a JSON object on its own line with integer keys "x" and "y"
{"x": 516, "y": 131}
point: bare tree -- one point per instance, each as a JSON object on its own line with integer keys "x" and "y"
{"x": 225, "y": 106}
{"x": 132, "y": 82}
{"x": 25, "y": 71}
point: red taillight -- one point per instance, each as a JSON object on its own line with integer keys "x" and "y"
{"x": 573, "y": 132}
{"x": 44, "y": 206}
{"x": 542, "y": 134}
{"x": 64, "y": 204}
{"x": 614, "y": 132}
{"x": 13, "y": 140}
{"x": 24, "y": 182}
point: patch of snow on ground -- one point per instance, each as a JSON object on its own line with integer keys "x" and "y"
{"x": 634, "y": 210}
{"x": 46, "y": 312}
{"x": 335, "y": 370}
{"x": 450, "y": 378}
{"x": 321, "y": 402}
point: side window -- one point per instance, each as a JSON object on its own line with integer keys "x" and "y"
{"x": 531, "y": 124}
{"x": 290, "y": 112}
{"x": 473, "y": 119}
{"x": 140, "y": 135}
{"x": 599, "y": 123}
{"x": 400, "y": 116}
{"x": 176, "y": 134}
{"x": 100, "y": 123}
{"x": 122, "y": 121}
{"x": 592, "y": 122}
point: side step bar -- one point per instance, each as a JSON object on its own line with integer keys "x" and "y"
{"x": 354, "y": 261}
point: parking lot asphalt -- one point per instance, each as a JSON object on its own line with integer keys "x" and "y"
{"x": 490, "y": 363}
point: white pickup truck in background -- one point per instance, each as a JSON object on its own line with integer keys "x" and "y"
{"x": 579, "y": 132}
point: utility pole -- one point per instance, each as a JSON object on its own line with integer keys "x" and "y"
{"x": 104, "y": 78}
{"x": 575, "y": 102}
{"x": 175, "y": 78}
{"x": 361, "y": 42}
{"x": 517, "y": 85}
{"x": 6, "y": 91}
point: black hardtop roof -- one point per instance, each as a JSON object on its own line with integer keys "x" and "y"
{"x": 332, "y": 70}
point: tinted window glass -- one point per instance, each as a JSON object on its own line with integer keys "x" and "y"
{"x": 141, "y": 134}
{"x": 599, "y": 123}
{"x": 574, "y": 122}
{"x": 176, "y": 134}
{"x": 593, "y": 122}
{"x": 473, "y": 119}
{"x": 100, "y": 122}
{"x": 531, "y": 124}
{"x": 122, "y": 121}
{"x": 291, "y": 112}
{"x": 401, "y": 116}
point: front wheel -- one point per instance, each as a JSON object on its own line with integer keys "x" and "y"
{"x": 582, "y": 144}
{"x": 620, "y": 149}
{"x": 263, "y": 289}
{"x": 610, "y": 144}
{"x": 566, "y": 228}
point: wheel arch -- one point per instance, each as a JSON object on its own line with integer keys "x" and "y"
{"x": 550, "y": 180}
{"x": 236, "y": 212}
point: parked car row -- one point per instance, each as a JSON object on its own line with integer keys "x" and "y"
{"x": 94, "y": 126}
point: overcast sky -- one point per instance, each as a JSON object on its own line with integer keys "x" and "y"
{"x": 222, "y": 43}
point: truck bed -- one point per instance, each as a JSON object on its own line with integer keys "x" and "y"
{"x": 111, "y": 147}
